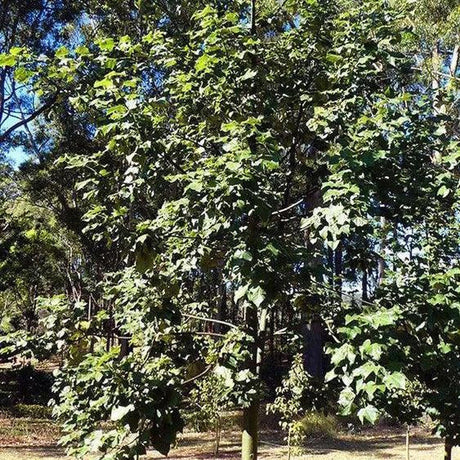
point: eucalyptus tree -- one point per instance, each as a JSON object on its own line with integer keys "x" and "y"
{"x": 39, "y": 25}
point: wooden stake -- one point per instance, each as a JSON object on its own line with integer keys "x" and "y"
{"x": 408, "y": 443}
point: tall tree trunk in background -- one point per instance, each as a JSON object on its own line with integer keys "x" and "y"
{"x": 435, "y": 57}
{"x": 365, "y": 295}
{"x": 454, "y": 61}
{"x": 272, "y": 335}
{"x": 313, "y": 337}
{"x": 437, "y": 61}
{"x": 222, "y": 307}
{"x": 338, "y": 263}
{"x": 381, "y": 261}
{"x": 330, "y": 267}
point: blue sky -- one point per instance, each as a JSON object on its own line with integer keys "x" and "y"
{"x": 16, "y": 156}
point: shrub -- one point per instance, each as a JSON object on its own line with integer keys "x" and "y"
{"x": 30, "y": 411}
{"x": 316, "y": 425}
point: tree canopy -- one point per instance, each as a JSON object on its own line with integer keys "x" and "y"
{"x": 216, "y": 187}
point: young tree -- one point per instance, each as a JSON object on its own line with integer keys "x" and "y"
{"x": 271, "y": 154}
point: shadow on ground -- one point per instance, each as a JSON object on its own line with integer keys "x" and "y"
{"x": 200, "y": 446}
{"x": 386, "y": 446}
{"x": 380, "y": 446}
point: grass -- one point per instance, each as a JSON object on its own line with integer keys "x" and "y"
{"x": 27, "y": 431}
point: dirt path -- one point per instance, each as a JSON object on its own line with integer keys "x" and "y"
{"x": 199, "y": 446}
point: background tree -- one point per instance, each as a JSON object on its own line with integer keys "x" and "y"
{"x": 236, "y": 173}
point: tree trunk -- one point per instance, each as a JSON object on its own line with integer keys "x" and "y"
{"x": 437, "y": 63}
{"x": 408, "y": 443}
{"x": 218, "y": 430}
{"x": 249, "y": 442}
{"x": 272, "y": 336}
{"x": 338, "y": 262}
{"x": 250, "y": 432}
{"x": 313, "y": 338}
{"x": 381, "y": 261}
{"x": 447, "y": 449}
{"x": 365, "y": 296}
{"x": 222, "y": 307}
{"x": 454, "y": 61}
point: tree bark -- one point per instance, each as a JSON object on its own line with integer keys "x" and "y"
{"x": 250, "y": 432}
{"x": 222, "y": 307}
{"x": 250, "y": 425}
{"x": 408, "y": 443}
{"x": 338, "y": 262}
{"x": 381, "y": 261}
{"x": 454, "y": 61}
{"x": 365, "y": 296}
{"x": 447, "y": 449}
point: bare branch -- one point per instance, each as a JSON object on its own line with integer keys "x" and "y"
{"x": 198, "y": 376}
{"x": 30, "y": 118}
{"x": 211, "y": 320}
{"x": 293, "y": 205}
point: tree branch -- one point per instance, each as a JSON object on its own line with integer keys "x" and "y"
{"x": 211, "y": 320}
{"x": 30, "y": 118}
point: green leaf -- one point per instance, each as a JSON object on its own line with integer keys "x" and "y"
{"x": 346, "y": 399}
{"x": 106, "y": 83}
{"x": 443, "y": 191}
{"x": 395, "y": 380}
{"x": 248, "y": 75}
{"x": 196, "y": 186}
{"x": 22, "y": 75}
{"x": 82, "y": 50}
{"x": 62, "y": 52}
{"x": 106, "y": 44}
{"x": 368, "y": 413}
{"x": 119, "y": 412}
{"x": 256, "y": 296}
{"x": 243, "y": 255}
{"x": 7, "y": 60}
{"x": 203, "y": 62}
{"x": 241, "y": 292}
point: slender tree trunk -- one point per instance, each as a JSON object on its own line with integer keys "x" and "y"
{"x": 218, "y": 430}
{"x": 365, "y": 296}
{"x": 289, "y": 444}
{"x": 454, "y": 61}
{"x": 381, "y": 261}
{"x": 437, "y": 62}
{"x": 447, "y": 449}
{"x": 408, "y": 443}
{"x": 249, "y": 442}
{"x": 338, "y": 262}
{"x": 222, "y": 307}
{"x": 250, "y": 428}
{"x": 435, "y": 57}
{"x": 272, "y": 336}
{"x": 330, "y": 266}
{"x": 250, "y": 438}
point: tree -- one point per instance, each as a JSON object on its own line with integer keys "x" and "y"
{"x": 40, "y": 25}
{"x": 271, "y": 155}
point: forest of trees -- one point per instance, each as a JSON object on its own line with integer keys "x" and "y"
{"x": 255, "y": 199}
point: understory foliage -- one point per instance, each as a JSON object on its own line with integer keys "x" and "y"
{"x": 244, "y": 176}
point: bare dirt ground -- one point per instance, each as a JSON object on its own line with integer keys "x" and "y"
{"x": 27, "y": 439}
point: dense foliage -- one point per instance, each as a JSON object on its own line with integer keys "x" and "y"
{"x": 224, "y": 187}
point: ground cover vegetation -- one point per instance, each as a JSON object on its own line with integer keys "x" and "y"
{"x": 230, "y": 204}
